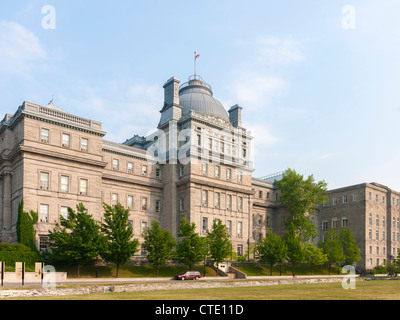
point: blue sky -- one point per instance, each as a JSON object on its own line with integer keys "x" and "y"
{"x": 319, "y": 98}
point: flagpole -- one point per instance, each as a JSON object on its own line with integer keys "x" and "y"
{"x": 195, "y": 65}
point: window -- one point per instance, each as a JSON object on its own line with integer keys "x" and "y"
{"x": 84, "y": 145}
{"x": 229, "y": 226}
{"x": 354, "y": 197}
{"x": 115, "y": 164}
{"x": 144, "y": 226}
{"x": 240, "y": 177}
{"x": 344, "y": 198}
{"x": 64, "y": 184}
{"x": 217, "y": 171}
{"x": 114, "y": 199}
{"x": 240, "y": 204}
{"x": 44, "y": 180}
{"x": 130, "y": 167}
{"x": 370, "y": 219}
{"x": 45, "y": 135}
{"x": 144, "y": 204}
{"x": 244, "y": 153}
{"x": 268, "y": 195}
{"x": 158, "y": 205}
{"x": 377, "y": 198}
{"x": 240, "y": 250}
{"x": 370, "y": 234}
{"x": 217, "y": 200}
{"x": 394, "y": 223}
{"x": 181, "y": 171}
{"x": 345, "y": 222}
{"x": 204, "y": 169}
{"x": 44, "y": 213}
{"x": 210, "y": 144}
{"x": 64, "y": 213}
{"x": 334, "y": 201}
{"x": 181, "y": 204}
{"x": 222, "y": 144}
{"x": 158, "y": 173}
{"x": 83, "y": 186}
{"x": 228, "y": 174}
{"x": 130, "y": 202}
{"x": 324, "y": 224}
{"x": 370, "y": 196}
{"x": 66, "y": 140}
{"x": 383, "y": 222}
{"x": 384, "y": 200}
{"x": 43, "y": 244}
{"x": 199, "y": 140}
{"x": 204, "y": 198}
{"x": 144, "y": 170}
{"x": 398, "y": 223}
{"x": 260, "y": 194}
{"x": 229, "y": 202}
{"x": 334, "y": 223}
{"x": 240, "y": 228}
{"x": 377, "y": 235}
{"x": 383, "y": 236}
{"x": 377, "y": 220}
{"x": 205, "y": 224}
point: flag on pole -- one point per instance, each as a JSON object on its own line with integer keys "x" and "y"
{"x": 197, "y": 56}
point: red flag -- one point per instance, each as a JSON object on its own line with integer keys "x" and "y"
{"x": 198, "y": 56}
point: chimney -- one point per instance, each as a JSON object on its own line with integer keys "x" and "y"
{"x": 235, "y": 116}
{"x": 171, "y": 110}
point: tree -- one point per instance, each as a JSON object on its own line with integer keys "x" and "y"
{"x": 301, "y": 196}
{"x": 25, "y": 227}
{"x": 192, "y": 248}
{"x": 351, "y": 252}
{"x": 76, "y": 240}
{"x": 271, "y": 250}
{"x": 296, "y": 253}
{"x": 332, "y": 247}
{"x": 118, "y": 233}
{"x": 220, "y": 245}
{"x": 314, "y": 256}
{"x": 159, "y": 244}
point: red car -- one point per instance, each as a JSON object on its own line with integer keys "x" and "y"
{"x": 189, "y": 275}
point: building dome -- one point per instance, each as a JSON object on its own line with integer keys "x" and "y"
{"x": 197, "y": 95}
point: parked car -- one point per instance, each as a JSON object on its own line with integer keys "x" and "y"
{"x": 188, "y": 275}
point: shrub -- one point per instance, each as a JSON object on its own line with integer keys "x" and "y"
{"x": 379, "y": 270}
{"x": 10, "y": 254}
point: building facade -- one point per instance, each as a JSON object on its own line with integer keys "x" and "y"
{"x": 197, "y": 166}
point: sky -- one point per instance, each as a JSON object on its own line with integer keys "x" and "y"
{"x": 318, "y": 80}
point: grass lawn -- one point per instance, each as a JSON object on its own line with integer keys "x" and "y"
{"x": 366, "y": 290}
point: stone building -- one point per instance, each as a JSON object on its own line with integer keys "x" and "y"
{"x": 197, "y": 166}
{"x": 372, "y": 212}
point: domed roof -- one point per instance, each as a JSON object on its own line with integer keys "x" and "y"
{"x": 197, "y": 95}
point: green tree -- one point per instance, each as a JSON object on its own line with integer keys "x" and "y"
{"x": 159, "y": 244}
{"x": 271, "y": 250}
{"x": 192, "y": 248}
{"x": 296, "y": 252}
{"x": 76, "y": 240}
{"x": 119, "y": 245}
{"x": 25, "y": 227}
{"x": 314, "y": 256}
{"x": 332, "y": 247}
{"x": 351, "y": 252}
{"x": 220, "y": 245}
{"x": 301, "y": 196}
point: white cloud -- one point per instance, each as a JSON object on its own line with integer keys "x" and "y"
{"x": 124, "y": 107}
{"x": 255, "y": 91}
{"x": 282, "y": 51}
{"x": 20, "y": 48}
